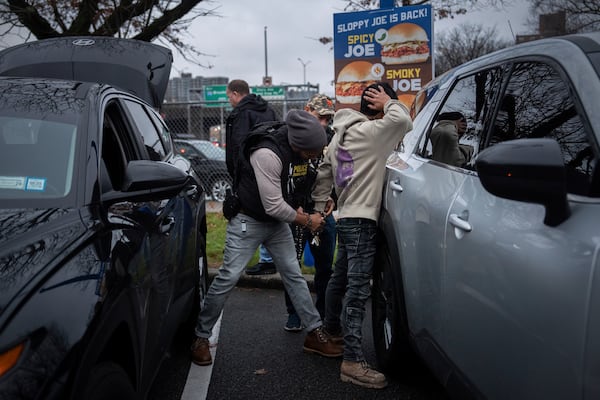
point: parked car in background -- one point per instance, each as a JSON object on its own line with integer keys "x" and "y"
{"x": 102, "y": 223}
{"x": 489, "y": 270}
{"x": 209, "y": 162}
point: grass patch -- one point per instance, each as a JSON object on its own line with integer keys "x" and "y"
{"x": 215, "y": 242}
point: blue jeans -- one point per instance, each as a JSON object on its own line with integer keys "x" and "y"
{"x": 323, "y": 255}
{"x": 264, "y": 256}
{"x": 242, "y": 237}
{"x": 349, "y": 287}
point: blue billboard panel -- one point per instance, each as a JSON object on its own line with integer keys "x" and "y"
{"x": 393, "y": 45}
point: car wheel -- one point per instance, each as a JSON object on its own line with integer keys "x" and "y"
{"x": 108, "y": 381}
{"x": 218, "y": 188}
{"x": 390, "y": 331}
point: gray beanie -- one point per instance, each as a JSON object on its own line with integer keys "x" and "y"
{"x": 305, "y": 131}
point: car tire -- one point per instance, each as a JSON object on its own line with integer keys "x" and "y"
{"x": 390, "y": 329}
{"x": 218, "y": 187}
{"x": 108, "y": 381}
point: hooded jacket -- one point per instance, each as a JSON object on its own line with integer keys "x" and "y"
{"x": 251, "y": 110}
{"x": 355, "y": 160}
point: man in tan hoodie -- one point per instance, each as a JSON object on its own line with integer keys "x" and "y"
{"x": 355, "y": 165}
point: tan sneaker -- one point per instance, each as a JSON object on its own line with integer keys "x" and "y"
{"x": 201, "y": 352}
{"x": 318, "y": 342}
{"x": 362, "y": 374}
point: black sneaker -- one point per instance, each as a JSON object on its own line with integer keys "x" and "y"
{"x": 262, "y": 268}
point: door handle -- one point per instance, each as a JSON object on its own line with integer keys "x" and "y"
{"x": 192, "y": 192}
{"x": 395, "y": 186}
{"x": 459, "y": 223}
{"x": 166, "y": 225}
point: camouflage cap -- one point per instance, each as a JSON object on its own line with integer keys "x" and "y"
{"x": 321, "y": 104}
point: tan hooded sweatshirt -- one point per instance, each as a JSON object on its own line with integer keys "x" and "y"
{"x": 355, "y": 160}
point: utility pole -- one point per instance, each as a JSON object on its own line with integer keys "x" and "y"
{"x": 304, "y": 64}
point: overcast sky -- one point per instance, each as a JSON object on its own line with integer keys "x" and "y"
{"x": 236, "y": 40}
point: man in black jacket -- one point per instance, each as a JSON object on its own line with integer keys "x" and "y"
{"x": 248, "y": 110}
{"x": 270, "y": 166}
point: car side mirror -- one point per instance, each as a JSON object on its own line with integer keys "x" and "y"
{"x": 529, "y": 170}
{"x": 149, "y": 181}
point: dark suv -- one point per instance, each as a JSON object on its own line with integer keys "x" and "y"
{"x": 102, "y": 223}
{"x": 209, "y": 162}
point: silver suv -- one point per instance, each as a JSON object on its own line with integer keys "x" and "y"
{"x": 489, "y": 267}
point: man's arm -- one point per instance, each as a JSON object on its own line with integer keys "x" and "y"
{"x": 267, "y": 169}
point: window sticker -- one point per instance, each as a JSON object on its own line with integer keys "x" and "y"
{"x": 23, "y": 183}
{"x": 12, "y": 182}
{"x": 36, "y": 184}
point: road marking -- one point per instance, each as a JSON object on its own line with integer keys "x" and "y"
{"x": 196, "y": 386}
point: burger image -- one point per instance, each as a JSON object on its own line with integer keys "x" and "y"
{"x": 352, "y": 80}
{"x": 407, "y": 100}
{"x": 406, "y": 43}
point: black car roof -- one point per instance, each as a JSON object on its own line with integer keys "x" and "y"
{"x": 138, "y": 67}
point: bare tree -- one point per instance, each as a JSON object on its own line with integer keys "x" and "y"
{"x": 441, "y": 8}
{"x": 464, "y": 43}
{"x": 147, "y": 20}
{"x": 581, "y": 15}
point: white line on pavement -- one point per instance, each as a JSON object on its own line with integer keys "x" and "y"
{"x": 196, "y": 386}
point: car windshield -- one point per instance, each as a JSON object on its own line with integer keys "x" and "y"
{"x": 208, "y": 149}
{"x": 37, "y": 158}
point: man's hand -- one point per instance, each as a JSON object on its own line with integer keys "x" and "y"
{"x": 376, "y": 98}
{"x": 329, "y": 206}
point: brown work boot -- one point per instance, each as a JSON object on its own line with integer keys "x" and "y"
{"x": 201, "y": 352}
{"x": 362, "y": 374}
{"x": 318, "y": 342}
{"x": 336, "y": 338}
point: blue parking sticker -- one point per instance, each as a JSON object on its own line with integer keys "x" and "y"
{"x": 36, "y": 184}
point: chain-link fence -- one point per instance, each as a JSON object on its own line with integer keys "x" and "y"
{"x": 199, "y": 123}
{"x": 202, "y": 120}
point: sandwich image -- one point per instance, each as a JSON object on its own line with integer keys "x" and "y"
{"x": 352, "y": 80}
{"x": 406, "y": 43}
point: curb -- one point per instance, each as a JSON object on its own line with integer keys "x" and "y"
{"x": 272, "y": 281}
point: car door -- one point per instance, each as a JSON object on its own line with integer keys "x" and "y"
{"x": 516, "y": 291}
{"x": 171, "y": 243}
{"x": 422, "y": 190}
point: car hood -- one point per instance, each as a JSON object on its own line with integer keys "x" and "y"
{"x": 31, "y": 241}
{"x": 138, "y": 67}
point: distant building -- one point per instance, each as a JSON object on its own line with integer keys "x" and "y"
{"x": 549, "y": 25}
{"x": 186, "y": 88}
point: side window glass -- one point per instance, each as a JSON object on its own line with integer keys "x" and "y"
{"x": 165, "y": 135}
{"x": 146, "y": 128}
{"x": 458, "y": 128}
{"x": 538, "y": 103}
{"x": 116, "y": 150}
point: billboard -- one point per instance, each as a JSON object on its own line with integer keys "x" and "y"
{"x": 394, "y": 45}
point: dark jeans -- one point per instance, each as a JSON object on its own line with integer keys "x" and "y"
{"x": 323, "y": 255}
{"x": 350, "y": 285}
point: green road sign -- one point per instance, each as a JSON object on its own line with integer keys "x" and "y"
{"x": 215, "y": 95}
{"x": 269, "y": 92}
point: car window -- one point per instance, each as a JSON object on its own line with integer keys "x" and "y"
{"x": 37, "y": 157}
{"x": 117, "y": 150}
{"x": 145, "y": 126}
{"x": 538, "y": 103}
{"x": 470, "y": 100}
{"x": 162, "y": 128}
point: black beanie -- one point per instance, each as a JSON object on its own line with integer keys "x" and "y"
{"x": 305, "y": 131}
{"x": 451, "y": 116}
